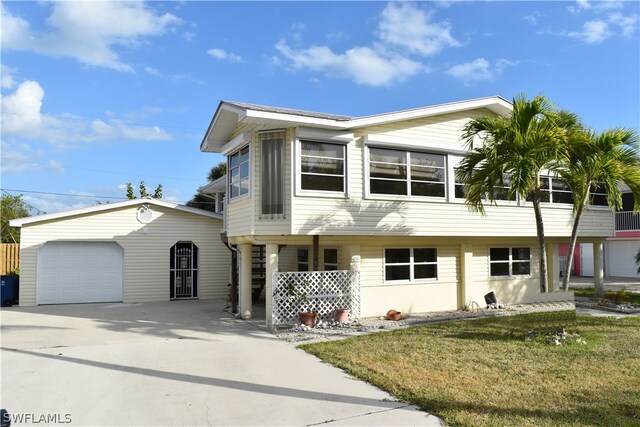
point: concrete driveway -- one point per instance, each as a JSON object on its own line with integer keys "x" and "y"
{"x": 174, "y": 363}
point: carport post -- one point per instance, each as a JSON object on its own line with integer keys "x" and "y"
{"x": 271, "y": 267}
{"x": 245, "y": 281}
{"x": 598, "y": 268}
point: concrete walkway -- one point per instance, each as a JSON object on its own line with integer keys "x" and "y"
{"x": 177, "y": 363}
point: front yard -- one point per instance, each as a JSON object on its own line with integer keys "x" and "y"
{"x": 484, "y": 372}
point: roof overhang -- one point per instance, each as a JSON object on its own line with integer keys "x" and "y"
{"x": 19, "y": 222}
{"x": 217, "y": 186}
{"x": 228, "y": 115}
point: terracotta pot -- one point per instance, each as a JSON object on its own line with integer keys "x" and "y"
{"x": 308, "y": 318}
{"x": 393, "y": 315}
{"x": 341, "y": 315}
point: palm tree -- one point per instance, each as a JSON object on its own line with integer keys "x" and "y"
{"x": 515, "y": 150}
{"x": 604, "y": 160}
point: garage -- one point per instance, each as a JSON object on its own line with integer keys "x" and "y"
{"x": 620, "y": 258}
{"x": 139, "y": 250}
{"x": 79, "y": 272}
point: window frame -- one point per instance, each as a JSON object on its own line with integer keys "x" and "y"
{"x": 412, "y": 279}
{"x": 230, "y": 197}
{"x": 367, "y": 174}
{"x": 324, "y": 259}
{"x": 262, "y": 137}
{"x": 510, "y": 262}
{"x": 321, "y": 193}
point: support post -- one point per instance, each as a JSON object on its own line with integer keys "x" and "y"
{"x": 466, "y": 274}
{"x": 598, "y": 268}
{"x": 316, "y": 250}
{"x": 553, "y": 268}
{"x": 271, "y": 267}
{"x": 234, "y": 281}
{"x": 245, "y": 281}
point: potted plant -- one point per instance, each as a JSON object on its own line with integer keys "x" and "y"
{"x": 299, "y": 294}
{"x": 341, "y": 315}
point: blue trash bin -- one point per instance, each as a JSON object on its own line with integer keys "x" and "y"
{"x": 9, "y": 293}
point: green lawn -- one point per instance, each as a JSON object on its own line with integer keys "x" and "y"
{"x": 617, "y": 296}
{"x": 484, "y": 373}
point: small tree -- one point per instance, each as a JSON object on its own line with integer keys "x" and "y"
{"x": 638, "y": 260}
{"x": 12, "y": 207}
{"x": 157, "y": 194}
{"x": 604, "y": 159}
{"x": 202, "y": 201}
{"x": 515, "y": 148}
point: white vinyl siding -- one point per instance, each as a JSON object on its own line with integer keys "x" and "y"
{"x": 146, "y": 253}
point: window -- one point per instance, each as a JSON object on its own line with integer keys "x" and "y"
{"x": 330, "y": 259}
{"x": 406, "y": 173}
{"x": 507, "y": 262}
{"x": 554, "y": 190}
{"x": 598, "y": 195}
{"x": 272, "y": 183}
{"x": 219, "y": 202}
{"x": 410, "y": 264}
{"x": 460, "y": 187}
{"x": 322, "y": 166}
{"x": 501, "y": 192}
{"x": 303, "y": 259}
{"x": 239, "y": 173}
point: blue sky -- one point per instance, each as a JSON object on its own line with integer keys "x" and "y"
{"x": 95, "y": 95}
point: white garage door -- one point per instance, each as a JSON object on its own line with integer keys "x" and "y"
{"x": 621, "y": 254}
{"x": 77, "y": 272}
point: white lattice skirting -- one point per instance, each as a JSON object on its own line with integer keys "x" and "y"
{"x": 321, "y": 291}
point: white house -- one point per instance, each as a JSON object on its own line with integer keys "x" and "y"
{"x": 378, "y": 194}
{"x": 133, "y": 251}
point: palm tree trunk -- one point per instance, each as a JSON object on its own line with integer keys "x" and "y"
{"x": 541, "y": 244}
{"x": 572, "y": 243}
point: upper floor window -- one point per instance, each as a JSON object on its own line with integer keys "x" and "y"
{"x": 272, "y": 182}
{"x": 322, "y": 166}
{"x": 406, "y": 173}
{"x": 598, "y": 195}
{"x": 239, "y": 173}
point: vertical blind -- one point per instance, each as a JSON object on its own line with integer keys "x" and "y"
{"x": 272, "y": 184}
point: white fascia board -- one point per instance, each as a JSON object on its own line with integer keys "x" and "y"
{"x": 207, "y": 141}
{"x": 19, "y": 222}
{"x": 302, "y": 120}
{"x": 496, "y": 104}
{"x": 324, "y": 135}
{"x": 409, "y": 144}
{"x": 237, "y": 142}
{"x": 217, "y": 186}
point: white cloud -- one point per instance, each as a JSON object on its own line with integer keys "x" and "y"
{"x": 533, "y": 18}
{"x": 22, "y": 117}
{"x": 8, "y": 81}
{"x": 152, "y": 71}
{"x": 600, "y": 5}
{"x": 409, "y": 27}
{"x": 89, "y": 32}
{"x": 20, "y": 158}
{"x": 224, "y": 55}
{"x": 404, "y": 31}
{"x": 189, "y": 36}
{"x": 628, "y": 24}
{"x": 361, "y": 64}
{"x": 593, "y": 32}
{"x": 479, "y": 70}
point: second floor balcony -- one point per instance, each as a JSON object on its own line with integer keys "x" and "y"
{"x": 628, "y": 221}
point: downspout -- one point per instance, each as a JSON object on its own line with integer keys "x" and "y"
{"x": 234, "y": 274}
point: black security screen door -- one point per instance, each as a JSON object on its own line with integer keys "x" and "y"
{"x": 183, "y": 266}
